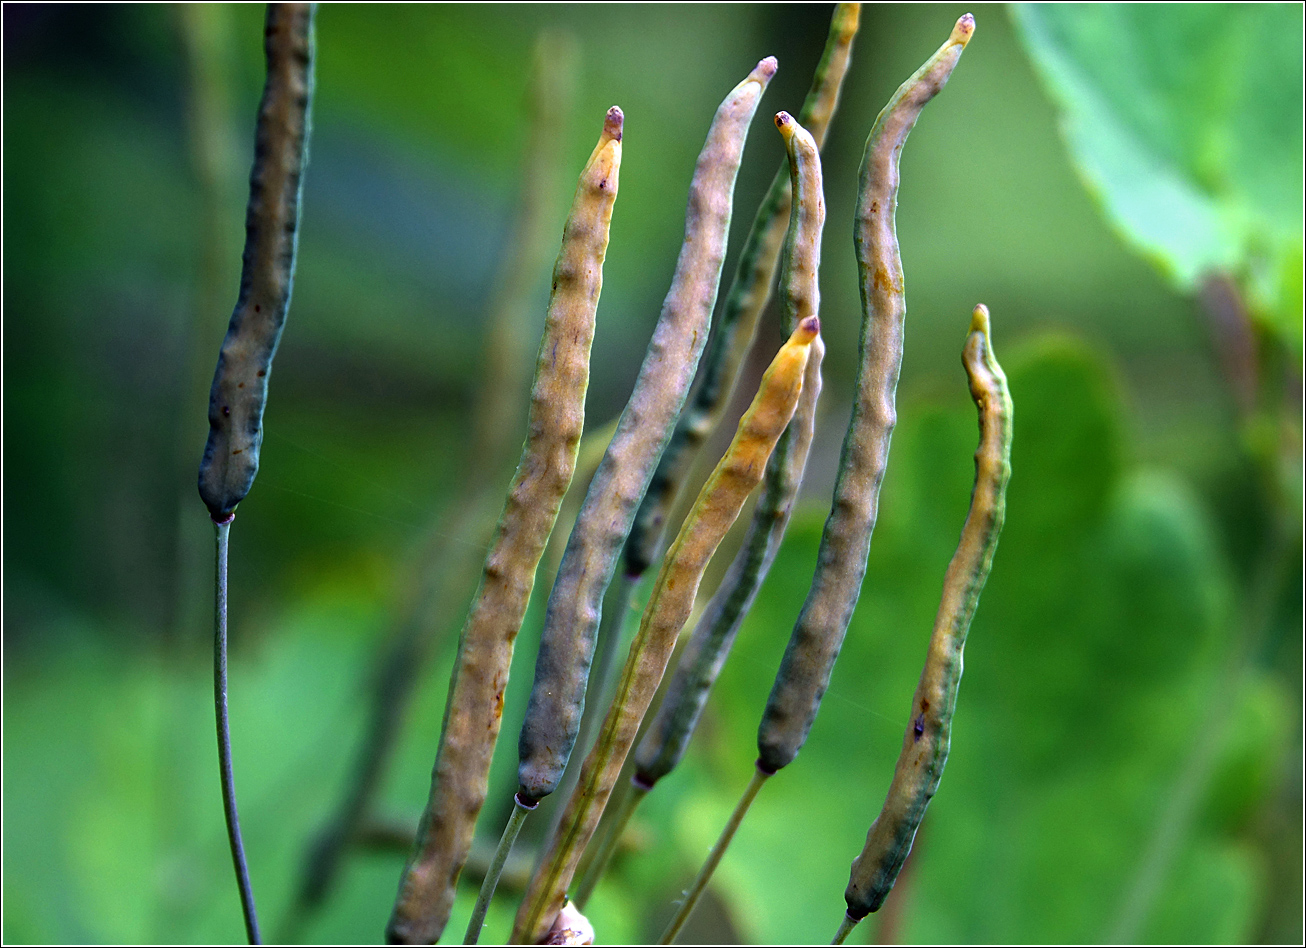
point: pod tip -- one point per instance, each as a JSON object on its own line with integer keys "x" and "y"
{"x": 785, "y": 122}
{"x": 764, "y": 70}
{"x": 848, "y": 15}
{"x": 979, "y": 320}
{"x": 810, "y": 328}
{"x": 613, "y": 122}
{"x": 961, "y": 33}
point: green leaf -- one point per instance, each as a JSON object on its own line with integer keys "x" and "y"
{"x": 1186, "y": 122}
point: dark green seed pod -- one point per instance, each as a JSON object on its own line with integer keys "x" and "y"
{"x": 240, "y": 385}
{"x": 846, "y": 541}
{"x": 925, "y": 745}
{"x": 667, "y": 738}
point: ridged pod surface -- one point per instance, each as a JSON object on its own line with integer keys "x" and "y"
{"x": 667, "y": 738}
{"x": 474, "y": 708}
{"x": 240, "y": 384}
{"x": 846, "y": 541}
{"x": 750, "y": 290}
{"x": 925, "y": 745}
{"x": 735, "y": 476}
{"x": 557, "y": 697}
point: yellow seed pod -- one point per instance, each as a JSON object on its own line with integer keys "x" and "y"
{"x": 669, "y": 606}
{"x": 474, "y": 709}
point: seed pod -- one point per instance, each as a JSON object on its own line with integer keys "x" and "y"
{"x": 240, "y": 384}
{"x": 669, "y": 605}
{"x": 925, "y": 745}
{"x": 749, "y": 292}
{"x": 845, "y": 543}
{"x": 567, "y": 641}
{"x": 668, "y": 736}
{"x": 475, "y": 705}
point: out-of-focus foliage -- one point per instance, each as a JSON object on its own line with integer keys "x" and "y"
{"x": 1128, "y": 727}
{"x": 1186, "y": 119}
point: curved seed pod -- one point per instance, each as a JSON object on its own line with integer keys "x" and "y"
{"x": 749, "y": 292}
{"x": 925, "y": 745}
{"x": 846, "y": 541}
{"x": 668, "y": 736}
{"x": 475, "y": 705}
{"x": 567, "y": 641}
{"x": 669, "y": 605}
{"x": 240, "y": 384}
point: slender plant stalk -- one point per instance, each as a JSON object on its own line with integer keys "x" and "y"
{"x": 223, "y": 531}
{"x": 239, "y": 391}
{"x": 669, "y": 606}
{"x": 925, "y": 744}
{"x": 845, "y": 929}
{"x": 713, "y": 859}
{"x": 562, "y": 666}
{"x": 444, "y": 571}
{"x": 491, "y": 881}
{"x": 474, "y": 709}
{"x": 818, "y": 634}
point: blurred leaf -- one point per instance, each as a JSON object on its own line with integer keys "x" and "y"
{"x": 1186, "y": 121}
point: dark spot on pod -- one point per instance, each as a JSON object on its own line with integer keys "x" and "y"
{"x": 240, "y": 385}
{"x": 262, "y": 372}
{"x": 258, "y": 308}
{"x": 237, "y": 451}
{"x": 875, "y": 207}
{"x": 226, "y": 412}
{"x": 918, "y": 726}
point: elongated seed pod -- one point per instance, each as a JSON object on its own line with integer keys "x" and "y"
{"x": 925, "y": 745}
{"x": 420, "y": 623}
{"x": 557, "y": 697}
{"x": 475, "y": 705}
{"x": 668, "y": 736}
{"x": 749, "y": 292}
{"x": 739, "y": 471}
{"x": 846, "y": 541}
{"x": 240, "y": 384}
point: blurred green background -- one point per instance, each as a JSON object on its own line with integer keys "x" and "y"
{"x": 1126, "y": 761}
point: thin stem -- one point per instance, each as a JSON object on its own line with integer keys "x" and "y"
{"x": 594, "y": 873}
{"x": 223, "y": 530}
{"x": 714, "y": 857}
{"x": 846, "y": 926}
{"x": 491, "y": 881}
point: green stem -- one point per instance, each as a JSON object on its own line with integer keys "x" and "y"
{"x": 594, "y": 873}
{"x": 846, "y": 926}
{"x": 519, "y": 813}
{"x": 714, "y": 857}
{"x": 223, "y": 530}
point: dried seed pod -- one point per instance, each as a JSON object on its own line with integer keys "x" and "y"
{"x": 749, "y": 292}
{"x": 925, "y": 745}
{"x": 668, "y": 736}
{"x": 475, "y": 705}
{"x": 845, "y": 543}
{"x": 557, "y": 697}
{"x": 669, "y": 605}
{"x": 240, "y": 384}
